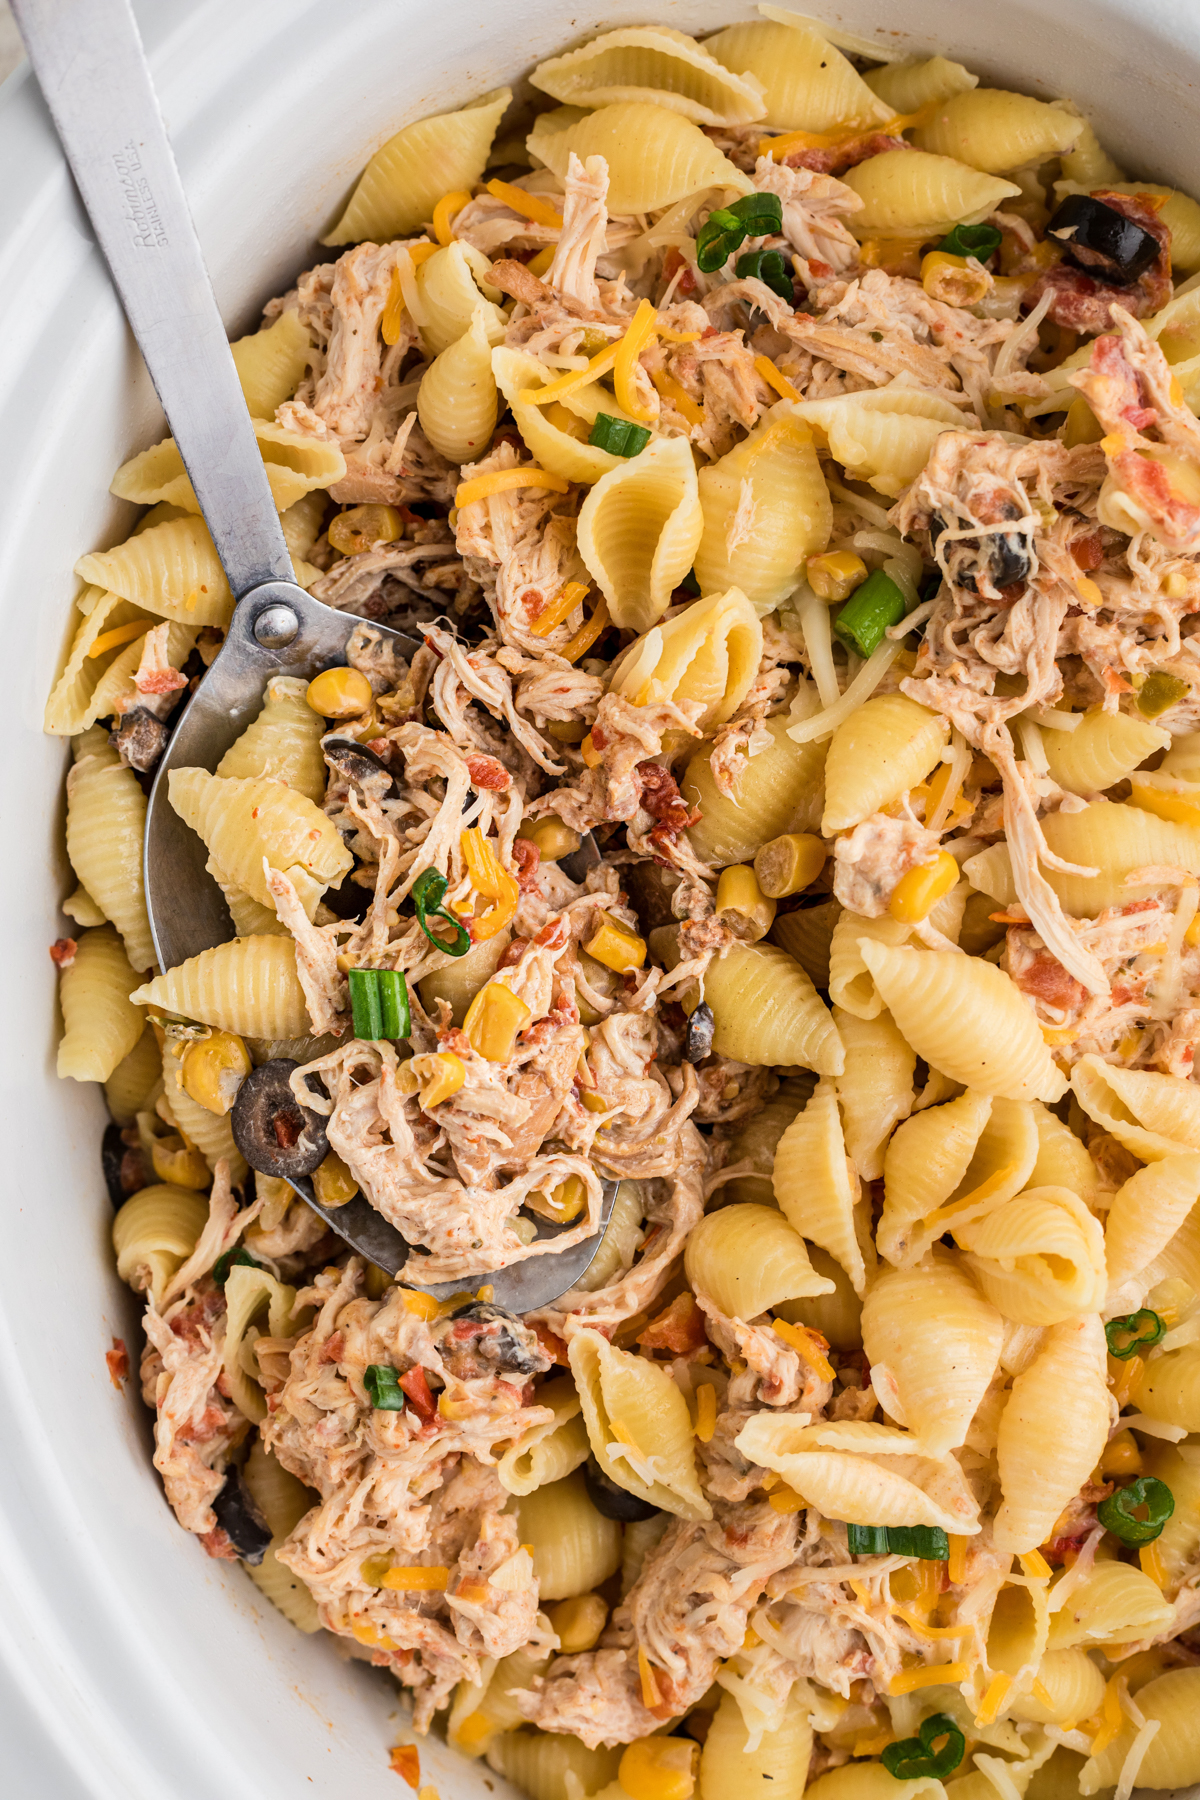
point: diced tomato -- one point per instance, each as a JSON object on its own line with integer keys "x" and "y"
{"x": 405, "y": 1760}
{"x": 118, "y": 1362}
{"x": 62, "y": 952}
{"x": 680, "y": 1329}
{"x": 552, "y": 1344}
{"x": 417, "y": 1388}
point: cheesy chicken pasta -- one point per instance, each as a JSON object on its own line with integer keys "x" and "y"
{"x": 789, "y": 469}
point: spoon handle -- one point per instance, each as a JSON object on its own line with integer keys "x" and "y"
{"x": 91, "y": 66}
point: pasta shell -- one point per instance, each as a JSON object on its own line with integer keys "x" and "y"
{"x": 622, "y": 1238}
{"x": 709, "y": 652}
{"x": 747, "y": 1259}
{"x": 776, "y": 1765}
{"x": 807, "y": 83}
{"x": 1062, "y": 1160}
{"x": 931, "y": 1330}
{"x": 755, "y": 1139}
{"x": 1116, "y": 839}
{"x": 639, "y": 1425}
{"x": 538, "y": 1763}
{"x": 248, "y": 986}
{"x": 863, "y": 1473}
{"x": 283, "y": 743}
{"x": 638, "y": 530}
{"x": 1045, "y": 1450}
{"x": 776, "y": 791}
{"x": 171, "y": 570}
{"x": 250, "y": 1293}
{"x": 654, "y": 155}
{"x": 575, "y": 1547}
{"x": 295, "y": 462}
{"x": 1088, "y": 163}
{"x": 404, "y": 180}
{"x": 837, "y": 1316}
{"x": 131, "y": 1083}
{"x": 1153, "y": 1115}
{"x": 1102, "y": 750}
{"x": 250, "y": 919}
{"x": 1147, "y": 1212}
{"x": 970, "y": 1155}
{"x": 101, "y": 1026}
{"x": 886, "y": 747}
{"x": 1180, "y": 1260}
{"x": 242, "y": 822}
{"x": 1039, "y": 1258}
{"x": 904, "y": 197}
{"x": 996, "y": 131}
{"x": 551, "y": 447}
{"x": 70, "y": 708}
{"x": 908, "y": 86}
{"x": 766, "y": 509}
{"x": 966, "y": 1018}
{"x": 457, "y": 399}
{"x": 212, "y": 1133}
{"x": 447, "y": 283}
{"x": 851, "y": 984}
{"x": 1170, "y": 1388}
{"x": 271, "y": 363}
{"x": 816, "y": 1190}
{"x": 807, "y": 935}
{"x": 883, "y": 436}
{"x": 551, "y": 1451}
{"x": 112, "y": 692}
{"x": 1178, "y": 1544}
{"x": 154, "y": 1234}
{"x": 1113, "y": 1603}
{"x": 656, "y": 64}
{"x": 875, "y": 1089}
{"x": 1071, "y": 1687}
{"x": 106, "y": 824}
{"x": 768, "y": 1012}
{"x": 1171, "y": 1759}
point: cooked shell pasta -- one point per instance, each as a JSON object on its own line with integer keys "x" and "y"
{"x": 404, "y": 180}
{"x": 1153, "y": 1115}
{"x": 638, "y": 1424}
{"x": 448, "y": 283}
{"x": 1114, "y": 1602}
{"x": 851, "y": 984}
{"x": 243, "y": 821}
{"x": 551, "y": 447}
{"x": 1178, "y": 1543}
{"x": 283, "y": 743}
{"x": 875, "y": 1089}
{"x": 816, "y": 1188}
{"x": 101, "y": 1026}
{"x": 106, "y": 822}
{"x": 807, "y": 83}
{"x": 574, "y": 1547}
{"x": 155, "y": 1233}
{"x": 1072, "y": 1688}
{"x": 886, "y": 747}
{"x": 747, "y": 1259}
{"x": 71, "y": 707}
{"x": 295, "y": 463}
{"x": 767, "y": 1011}
{"x": 283, "y": 1502}
{"x": 457, "y": 400}
{"x": 249, "y": 917}
{"x": 80, "y": 907}
{"x": 777, "y": 1767}
{"x": 709, "y": 653}
{"x": 248, "y": 986}
{"x": 638, "y": 530}
{"x": 1102, "y": 750}
{"x": 837, "y": 1316}
{"x": 622, "y": 1237}
{"x": 271, "y": 363}
{"x": 654, "y": 63}
{"x": 128, "y": 1089}
{"x": 171, "y": 570}
{"x": 883, "y": 436}
{"x": 539, "y": 1762}
{"x": 996, "y": 131}
{"x": 1170, "y": 1738}
{"x": 250, "y": 1295}
{"x": 1170, "y": 1388}
{"x": 776, "y": 791}
{"x": 966, "y": 1018}
{"x": 1147, "y": 1212}
{"x": 933, "y": 1341}
{"x": 1039, "y": 1258}
{"x": 864, "y": 1473}
{"x": 766, "y": 509}
{"x": 1062, "y": 1160}
{"x": 654, "y": 156}
{"x": 1088, "y": 162}
{"x": 969, "y": 1154}
{"x": 1045, "y": 1450}
{"x": 906, "y": 197}
{"x": 211, "y": 1132}
{"x": 547, "y": 1453}
{"x": 907, "y": 86}
{"x": 115, "y": 691}
{"x": 871, "y": 1781}
{"x": 1116, "y": 839}
{"x": 807, "y": 936}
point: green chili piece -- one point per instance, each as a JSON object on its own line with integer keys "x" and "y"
{"x": 1118, "y": 1513}
{"x": 393, "y": 1003}
{"x": 1158, "y": 693}
{"x": 768, "y": 267}
{"x": 717, "y": 240}
{"x": 620, "y": 437}
{"x": 914, "y": 1759}
{"x": 761, "y": 215}
{"x": 364, "y": 1004}
{"x": 1136, "y": 1331}
{"x": 867, "y": 1540}
{"x": 383, "y": 1385}
{"x": 232, "y": 1259}
{"x": 979, "y": 241}
{"x": 429, "y": 890}
{"x": 869, "y": 612}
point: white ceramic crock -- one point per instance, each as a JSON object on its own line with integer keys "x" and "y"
{"x": 131, "y": 1666}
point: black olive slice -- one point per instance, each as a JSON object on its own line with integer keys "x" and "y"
{"x": 275, "y": 1134}
{"x": 1101, "y": 240}
{"x": 511, "y": 1346}
{"x": 356, "y": 763}
{"x": 698, "y": 1038}
{"x": 613, "y": 1501}
{"x": 241, "y": 1521}
{"x": 112, "y": 1158}
{"x": 1009, "y": 559}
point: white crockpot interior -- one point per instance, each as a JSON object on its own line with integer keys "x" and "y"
{"x": 131, "y": 1666}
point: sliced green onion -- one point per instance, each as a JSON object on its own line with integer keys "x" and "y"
{"x": 979, "y": 241}
{"x": 869, "y": 612}
{"x": 915, "y": 1759}
{"x": 769, "y": 267}
{"x": 393, "y": 1003}
{"x": 1158, "y": 693}
{"x": 383, "y": 1385}
{"x": 1136, "y": 1331}
{"x": 760, "y": 214}
{"x": 232, "y": 1259}
{"x": 429, "y": 890}
{"x": 364, "y": 1004}
{"x": 1117, "y": 1513}
{"x": 717, "y": 239}
{"x": 929, "y": 1542}
{"x": 620, "y": 437}
{"x": 867, "y": 1540}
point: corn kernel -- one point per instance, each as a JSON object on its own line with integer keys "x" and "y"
{"x": 835, "y": 574}
{"x": 789, "y": 864}
{"x": 563, "y": 1204}
{"x": 616, "y": 947}
{"x": 179, "y": 1163}
{"x": 917, "y": 893}
{"x": 742, "y": 903}
{"x": 659, "y": 1768}
{"x": 578, "y": 1622}
{"x": 332, "y": 1181}
{"x": 494, "y": 1019}
{"x": 214, "y": 1069}
{"x": 953, "y": 280}
{"x": 434, "y": 1077}
{"x": 706, "y": 1413}
{"x": 358, "y": 529}
{"x": 552, "y": 838}
{"x": 1121, "y": 1456}
{"x": 339, "y": 693}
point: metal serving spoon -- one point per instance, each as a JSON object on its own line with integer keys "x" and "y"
{"x": 93, "y": 73}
